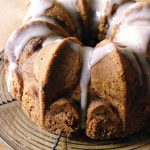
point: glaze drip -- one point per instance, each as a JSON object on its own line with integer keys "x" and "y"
{"x": 51, "y": 38}
{"x": 117, "y": 17}
{"x": 133, "y": 30}
{"x": 101, "y": 52}
{"x": 84, "y": 82}
{"x": 132, "y": 24}
{"x": 42, "y": 18}
{"x": 70, "y": 6}
{"x": 103, "y": 8}
{"x": 17, "y": 42}
{"x": 96, "y": 7}
{"x": 37, "y": 8}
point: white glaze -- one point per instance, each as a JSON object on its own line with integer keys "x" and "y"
{"x": 11, "y": 68}
{"x": 37, "y": 8}
{"x": 70, "y": 6}
{"x": 17, "y": 42}
{"x": 108, "y": 6}
{"x": 101, "y": 52}
{"x": 132, "y": 36}
{"x": 102, "y": 8}
{"x": 75, "y": 46}
{"x": 51, "y": 38}
{"x": 134, "y": 31}
{"x": 96, "y": 7}
{"x": 84, "y": 82}
{"x": 41, "y": 18}
{"x": 117, "y": 17}
{"x": 135, "y": 15}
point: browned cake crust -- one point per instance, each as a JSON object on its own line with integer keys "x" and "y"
{"x": 102, "y": 120}
{"x": 47, "y": 80}
{"x": 62, "y": 117}
{"x": 31, "y": 47}
{"x": 114, "y": 98}
{"x": 59, "y": 13}
{"x": 83, "y": 10}
{"x": 111, "y": 110}
{"x": 40, "y": 87}
{"x": 110, "y": 80}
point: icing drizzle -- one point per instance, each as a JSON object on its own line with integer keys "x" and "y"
{"x": 17, "y": 42}
{"x": 84, "y": 82}
{"x": 130, "y": 31}
{"x": 51, "y": 38}
{"x": 101, "y": 52}
{"x": 102, "y": 8}
{"x": 37, "y": 8}
{"x": 133, "y": 30}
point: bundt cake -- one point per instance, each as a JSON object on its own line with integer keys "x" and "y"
{"x": 83, "y": 65}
